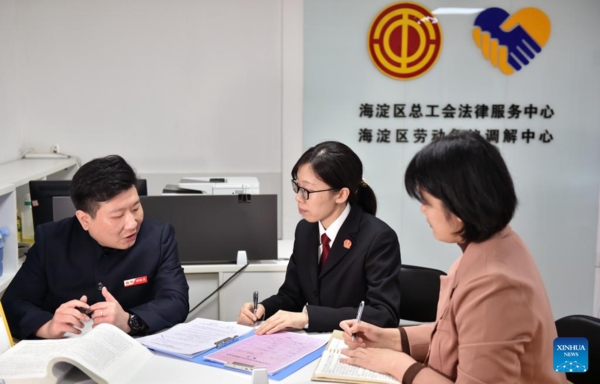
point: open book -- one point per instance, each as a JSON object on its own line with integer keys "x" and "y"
{"x": 106, "y": 354}
{"x": 330, "y": 368}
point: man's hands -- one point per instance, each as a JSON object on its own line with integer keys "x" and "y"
{"x": 66, "y": 317}
{"x": 111, "y": 312}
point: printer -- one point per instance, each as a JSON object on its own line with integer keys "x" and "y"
{"x": 234, "y": 185}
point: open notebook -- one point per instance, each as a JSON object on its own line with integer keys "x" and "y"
{"x": 330, "y": 369}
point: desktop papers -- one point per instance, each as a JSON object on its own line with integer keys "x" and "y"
{"x": 191, "y": 339}
{"x": 330, "y": 368}
{"x": 273, "y": 352}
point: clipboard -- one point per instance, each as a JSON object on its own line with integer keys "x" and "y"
{"x": 6, "y": 340}
{"x": 339, "y": 336}
{"x": 278, "y": 376}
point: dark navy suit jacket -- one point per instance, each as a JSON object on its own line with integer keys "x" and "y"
{"x": 66, "y": 262}
{"x": 369, "y": 270}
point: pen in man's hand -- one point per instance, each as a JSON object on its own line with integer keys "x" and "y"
{"x": 84, "y": 311}
{"x": 358, "y": 316}
{"x": 255, "y": 302}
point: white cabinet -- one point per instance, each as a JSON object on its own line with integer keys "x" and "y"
{"x": 8, "y": 219}
{"x": 14, "y": 183}
{"x": 241, "y": 289}
{"x": 265, "y": 277}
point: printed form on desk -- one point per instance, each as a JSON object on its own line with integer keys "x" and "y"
{"x": 193, "y": 338}
{"x": 273, "y": 352}
{"x": 330, "y": 368}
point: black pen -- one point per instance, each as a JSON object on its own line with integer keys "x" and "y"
{"x": 84, "y": 311}
{"x": 358, "y": 316}
{"x": 255, "y": 302}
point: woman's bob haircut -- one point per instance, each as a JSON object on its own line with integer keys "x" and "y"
{"x": 469, "y": 176}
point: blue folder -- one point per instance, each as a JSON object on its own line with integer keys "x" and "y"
{"x": 278, "y": 376}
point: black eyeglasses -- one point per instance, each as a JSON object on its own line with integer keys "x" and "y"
{"x": 305, "y": 192}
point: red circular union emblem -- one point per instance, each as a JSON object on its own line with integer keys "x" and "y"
{"x": 405, "y": 40}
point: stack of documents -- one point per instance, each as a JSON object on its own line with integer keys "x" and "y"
{"x": 192, "y": 339}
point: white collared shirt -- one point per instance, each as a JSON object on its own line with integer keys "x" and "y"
{"x": 331, "y": 232}
{"x": 333, "y": 229}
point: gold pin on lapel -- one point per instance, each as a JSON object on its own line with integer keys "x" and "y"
{"x": 347, "y": 244}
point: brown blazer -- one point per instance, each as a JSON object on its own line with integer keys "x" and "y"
{"x": 494, "y": 321}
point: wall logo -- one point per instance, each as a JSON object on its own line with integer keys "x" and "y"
{"x": 510, "y": 42}
{"x": 405, "y": 40}
{"x": 570, "y": 354}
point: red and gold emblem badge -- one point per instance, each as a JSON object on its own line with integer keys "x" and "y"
{"x": 405, "y": 40}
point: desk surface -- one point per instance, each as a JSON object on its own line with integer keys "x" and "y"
{"x": 166, "y": 369}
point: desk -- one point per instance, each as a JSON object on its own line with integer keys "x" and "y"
{"x": 166, "y": 369}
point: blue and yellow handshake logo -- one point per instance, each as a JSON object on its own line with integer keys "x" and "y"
{"x": 511, "y": 41}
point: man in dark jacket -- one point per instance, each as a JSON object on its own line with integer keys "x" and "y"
{"x": 106, "y": 263}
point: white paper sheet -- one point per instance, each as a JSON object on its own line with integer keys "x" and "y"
{"x": 194, "y": 337}
{"x": 30, "y": 358}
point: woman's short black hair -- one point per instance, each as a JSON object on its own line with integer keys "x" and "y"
{"x": 100, "y": 180}
{"x": 469, "y": 176}
{"x": 339, "y": 167}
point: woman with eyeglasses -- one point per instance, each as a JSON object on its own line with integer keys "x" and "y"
{"x": 342, "y": 253}
{"x": 494, "y": 321}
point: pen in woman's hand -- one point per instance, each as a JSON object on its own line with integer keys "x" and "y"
{"x": 255, "y": 297}
{"x": 358, "y": 316}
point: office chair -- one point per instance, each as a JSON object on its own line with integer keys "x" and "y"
{"x": 419, "y": 293}
{"x": 588, "y": 327}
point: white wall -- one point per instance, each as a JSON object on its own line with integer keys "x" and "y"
{"x": 597, "y": 286}
{"x": 170, "y": 85}
{"x": 10, "y": 133}
{"x": 557, "y": 184}
{"x": 175, "y": 87}
{"x": 293, "y": 78}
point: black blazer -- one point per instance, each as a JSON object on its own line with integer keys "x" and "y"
{"x": 369, "y": 271}
{"x": 66, "y": 262}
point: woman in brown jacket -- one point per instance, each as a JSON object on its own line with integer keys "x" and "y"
{"x": 494, "y": 323}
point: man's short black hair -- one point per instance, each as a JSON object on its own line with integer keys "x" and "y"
{"x": 100, "y": 180}
{"x": 469, "y": 176}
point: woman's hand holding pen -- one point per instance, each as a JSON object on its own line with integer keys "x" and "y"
{"x": 378, "y": 360}
{"x": 247, "y": 317}
{"x": 282, "y": 320}
{"x": 374, "y": 348}
{"x": 368, "y": 335}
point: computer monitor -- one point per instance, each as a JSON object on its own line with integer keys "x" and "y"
{"x": 42, "y": 192}
{"x": 212, "y": 228}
